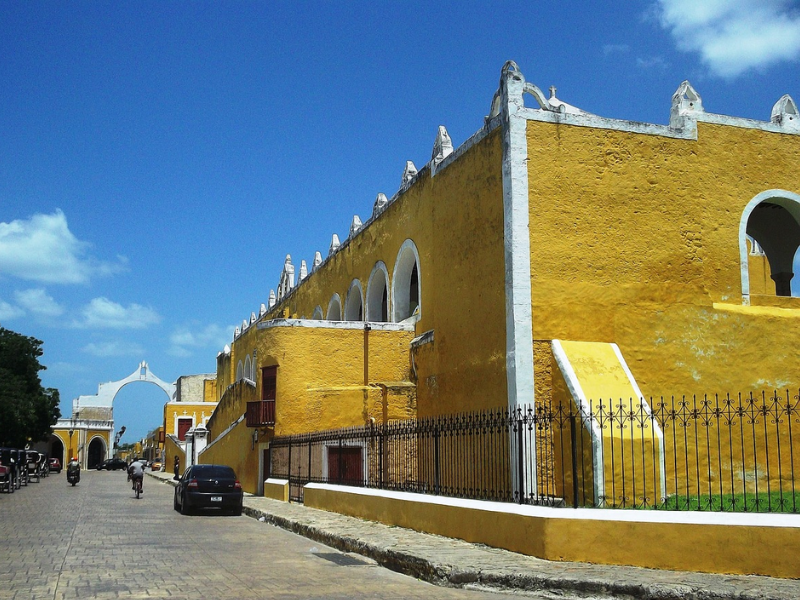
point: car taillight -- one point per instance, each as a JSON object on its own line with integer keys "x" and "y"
{"x": 192, "y": 484}
{"x": 237, "y": 485}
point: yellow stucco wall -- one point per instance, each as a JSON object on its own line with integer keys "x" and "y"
{"x": 323, "y": 382}
{"x": 456, "y": 214}
{"x": 634, "y": 238}
{"x": 581, "y": 536}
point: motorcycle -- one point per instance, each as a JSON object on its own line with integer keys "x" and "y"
{"x": 73, "y": 475}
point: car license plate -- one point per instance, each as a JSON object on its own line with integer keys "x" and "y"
{"x": 216, "y": 498}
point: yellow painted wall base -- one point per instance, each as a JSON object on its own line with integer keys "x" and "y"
{"x": 704, "y": 542}
{"x": 277, "y": 489}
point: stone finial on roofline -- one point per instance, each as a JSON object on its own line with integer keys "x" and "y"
{"x": 236, "y": 333}
{"x": 226, "y": 349}
{"x": 355, "y": 225}
{"x": 442, "y": 146}
{"x": 263, "y": 310}
{"x": 334, "y": 244}
{"x": 784, "y": 113}
{"x": 286, "y": 282}
{"x": 409, "y": 172}
{"x": 272, "y": 298}
{"x": 303, "y": 270}
{"x": 245, "y": 325}
{"x": 380, "y": 203}
{"x": 252, "y": 318}
{"x": 317, "y": 261}
{"x": 685, "y": 102}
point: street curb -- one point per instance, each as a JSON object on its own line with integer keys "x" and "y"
{"x": 569, "y": 586}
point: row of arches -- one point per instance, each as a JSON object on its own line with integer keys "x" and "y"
{"x": 246, "y": 370}
{"x": 382, "y": 301}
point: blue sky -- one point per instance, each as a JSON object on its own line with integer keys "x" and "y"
{"x": 159, "y": 160}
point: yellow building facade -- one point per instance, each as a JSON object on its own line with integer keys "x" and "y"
{"x": 553, "y": 252}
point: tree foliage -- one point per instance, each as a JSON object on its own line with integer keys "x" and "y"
{"x": 27, "y": 410}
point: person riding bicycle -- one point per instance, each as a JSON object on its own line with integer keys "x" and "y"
{"x": 136, "y": 472}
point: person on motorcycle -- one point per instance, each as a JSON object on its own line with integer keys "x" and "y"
{"x": 73, "y": 471}
{"x": 136, "y": 471}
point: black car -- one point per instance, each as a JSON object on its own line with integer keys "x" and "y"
{"x": 112, "y": 464}
{"x": 209, "y": 486}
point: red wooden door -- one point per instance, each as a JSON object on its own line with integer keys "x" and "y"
{"x": 184, "y": 425}
{"x": 345, "y": 465}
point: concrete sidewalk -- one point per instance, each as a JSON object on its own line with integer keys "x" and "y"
{"x": 455, "y": 563}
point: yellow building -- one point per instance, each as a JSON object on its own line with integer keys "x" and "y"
{"x": 555, "y": 258}
{"x": 86, "y": 436}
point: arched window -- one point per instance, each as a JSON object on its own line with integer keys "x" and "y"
{"x": 239, "y": 371}
{"x": 247, "y": 368}
{"x": 378, "y": 294}
{"x": 772, "y": 221}
{"x": 317, "y": 316}
{"x": 354, "y": 305}
{"x": 406, "y": 290}
{"x": 335, "y": 309}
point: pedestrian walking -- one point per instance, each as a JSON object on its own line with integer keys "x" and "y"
{"x": 177, "y": 466}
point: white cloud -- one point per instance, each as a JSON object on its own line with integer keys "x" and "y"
{"x": 734, "y": 36}
{"x": 113, "y": 349}
{"x": 43, "y": 249}
{"x": 190, "y": 337}
{"x": 103, "y": 313}
{"x": 654, "y": 62}
{"x": 615, "y": 49}
{"x": 9, "y": 311}
{"x": 38, "y": 302}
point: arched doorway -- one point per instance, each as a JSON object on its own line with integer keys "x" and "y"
{"x": 57, "y": 449}
{"x": 96, "y": 454}
{"x": 772, "y": 219}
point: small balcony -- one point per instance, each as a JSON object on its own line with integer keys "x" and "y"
{"x": 260, "y": 414}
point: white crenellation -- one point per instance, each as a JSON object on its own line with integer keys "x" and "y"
{"x": 409, "y": 173}
{"x": 335, "y": 243}
{"x": 355, "y": 225}
{"x": 442, "y": 146}
{"x": 286, "y": 282}
{"x": 227, "y": 349}
{"x": 272, "y": 298}
{"x": 252, "y": 318}
{"x": 303, "y": 270}
{"x": 263, "y": 310}
{"x": 317, "y": 261}
{"x": 784, "y": 113}
{"x": 236, "y": 333}
{"x": 686, "y": 104}
{"x": 380, "y": 204}
{"x": 245, "y": 325}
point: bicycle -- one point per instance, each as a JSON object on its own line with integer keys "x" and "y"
{"x": 137, "y": 486}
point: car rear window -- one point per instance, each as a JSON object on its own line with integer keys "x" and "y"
{"x": 216, "y": 471}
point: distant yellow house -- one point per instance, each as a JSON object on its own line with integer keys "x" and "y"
{"x": 556, "y": 257}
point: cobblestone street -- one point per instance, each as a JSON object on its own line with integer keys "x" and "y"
{"x": 97, "y": 541}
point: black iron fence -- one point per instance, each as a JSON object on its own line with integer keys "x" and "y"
{"x": 723, "y": 453}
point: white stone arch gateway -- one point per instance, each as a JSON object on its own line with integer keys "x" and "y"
{"x": 106, "y": 392}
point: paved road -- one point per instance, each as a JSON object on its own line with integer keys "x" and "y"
{"x": 58, "y": 542}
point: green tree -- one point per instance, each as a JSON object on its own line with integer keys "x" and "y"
{"x": 27, "y": 410}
